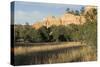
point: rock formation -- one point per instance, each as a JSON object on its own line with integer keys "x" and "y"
{"x": 65, "y": 19}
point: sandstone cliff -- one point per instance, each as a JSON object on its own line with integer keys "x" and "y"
{"x": 65, "y": 19}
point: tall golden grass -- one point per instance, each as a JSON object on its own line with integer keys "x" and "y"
{"x": 28, "y": 49}
{"x": 59, "y": 53}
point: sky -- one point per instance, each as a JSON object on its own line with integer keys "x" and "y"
{"x": 32, "y": 12}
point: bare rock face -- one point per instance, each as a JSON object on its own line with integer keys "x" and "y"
{"x": 37, "y": 25}
{"x": 72, "y": 19}
{"x": 65, "y": 19}
{"x": 90, "y": 13}
{"x": 51, "y": 20}
{"x": 89, "y": 9}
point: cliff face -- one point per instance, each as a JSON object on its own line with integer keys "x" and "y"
{"x": 72, "y": 19}
{"x": 49, "y": 21}
{"x": 37, "y": 25}
{"x": 89, "y": 9}
{"x": 65, "y": 19}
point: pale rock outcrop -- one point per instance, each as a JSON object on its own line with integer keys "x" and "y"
{"x": 65, "y": 19}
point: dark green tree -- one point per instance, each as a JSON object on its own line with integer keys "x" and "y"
{"x": 31, "y": 34}
{"x": 54, "y": 33}
{"x": 68, "y": 10}
{"x": 43, "y": 31}
{"x": 82, "y": 10}
{"x": 77, "y": 12}
{"x": 18, "y": 32}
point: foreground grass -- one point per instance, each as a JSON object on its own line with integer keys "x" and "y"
{"x": 63, "y": 52}
{"x": 26, "y": 49}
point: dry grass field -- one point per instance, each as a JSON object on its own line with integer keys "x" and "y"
{"x": 25, "y": 50}
{"x": 56, "y": 53}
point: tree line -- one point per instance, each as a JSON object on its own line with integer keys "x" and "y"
{"x": 54, "y": 33}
